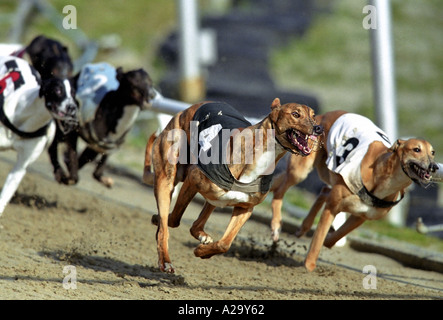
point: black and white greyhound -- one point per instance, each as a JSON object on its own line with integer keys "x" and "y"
{"x": 28, "y": 107}
{"x": 110, "y": 101}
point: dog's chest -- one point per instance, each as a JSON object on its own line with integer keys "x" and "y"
{"x": 355, "y": 206}
{"x": 233, "y": 198}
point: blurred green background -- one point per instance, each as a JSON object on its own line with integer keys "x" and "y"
{"x": 331, "y": 61}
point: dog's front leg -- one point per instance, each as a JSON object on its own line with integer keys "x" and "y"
{"x": 350, "y": 224}
{"x": 199, "y": 224}
{"x": 319, "y": 237}
{"x": 71, "y": 160}
{"x": 185, "y": 196}
{"x": 59, "y": 174}
{"x": 309, "y": 219}
{"x": 238, "y": 219}
{"x": 297, "y": 170}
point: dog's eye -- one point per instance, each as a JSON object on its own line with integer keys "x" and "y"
{"x": 433, "y": 153}
{"x": 296, "y": 114}
{"x": 58, "y": 91}
{"x": 418, "y": 150}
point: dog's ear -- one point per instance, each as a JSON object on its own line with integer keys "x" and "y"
{"x": 275, "y": 103}
{"x": 397, "y": 145}
{"x": 274, "y": 110}
{"x": 120, "y": 73}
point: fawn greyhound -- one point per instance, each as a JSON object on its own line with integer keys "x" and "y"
{"x": 366, "y": 174}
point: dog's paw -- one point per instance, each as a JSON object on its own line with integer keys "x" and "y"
{"x": 70, "y": 181}
{"x": 167, "y": 267}
{"x": 310, "y": 265}
{"x": 205, "y": 239}
{"x": 275, "y": 235}
{"x": 205, "y": 251}
{"x": 300, "y": 233}
{"x": 201, "y": 251}
{"x": 107, "y": 181}
{"x": 60, "y": 176}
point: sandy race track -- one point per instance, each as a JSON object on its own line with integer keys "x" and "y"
{"x": 52, "y": 233}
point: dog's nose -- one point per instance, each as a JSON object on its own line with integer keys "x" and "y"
{"x": 318, "y": 130}
{"x": 433, "y": 167}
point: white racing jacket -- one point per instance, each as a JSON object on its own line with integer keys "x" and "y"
{"x": 347, "y": 144}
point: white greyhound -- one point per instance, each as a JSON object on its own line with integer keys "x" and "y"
{"x": 27, "y": 110}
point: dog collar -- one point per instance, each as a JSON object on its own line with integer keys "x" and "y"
{"x": 37, "y": 133}
{"x": 371, "y": 200}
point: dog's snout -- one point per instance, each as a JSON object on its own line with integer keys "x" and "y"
{"x": 318, "y": 130}
{"x": 71, "y": 108}
{"x": 152, "y": 93}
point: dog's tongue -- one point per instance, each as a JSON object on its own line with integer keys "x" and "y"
{"x": 302, "y": 141}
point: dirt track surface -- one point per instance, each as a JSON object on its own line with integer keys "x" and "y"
{"x": 107, "y": 236}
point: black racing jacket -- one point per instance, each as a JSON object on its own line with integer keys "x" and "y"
{"x": 211, "y": 118}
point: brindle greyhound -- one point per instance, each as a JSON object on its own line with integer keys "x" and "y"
{"x": 288, "y": 127}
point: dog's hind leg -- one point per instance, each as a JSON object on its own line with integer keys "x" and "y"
{"x": 185, "y": 196}
{"x": 88, "y": 155}
{"x": 27, "y": 152}
{"x": 309, "y": 219}
{"x": 197, "y": 227}
{"x": 239, "y": 217}
{"x": 11, "y": 184}
{"x": 148, "y": 175}
{"x": 163, "y": 192}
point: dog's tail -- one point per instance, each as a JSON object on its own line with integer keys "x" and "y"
{"x": 148, "y": 175}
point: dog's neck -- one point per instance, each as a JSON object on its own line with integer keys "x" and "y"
{"x": 31, "y": 113}
{"x": 263, "y": 162}
{"x": 384, "y": 176}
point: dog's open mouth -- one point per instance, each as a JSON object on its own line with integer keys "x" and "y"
{"x": 418, "y": 173}
{"x": 304, "y": 143}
